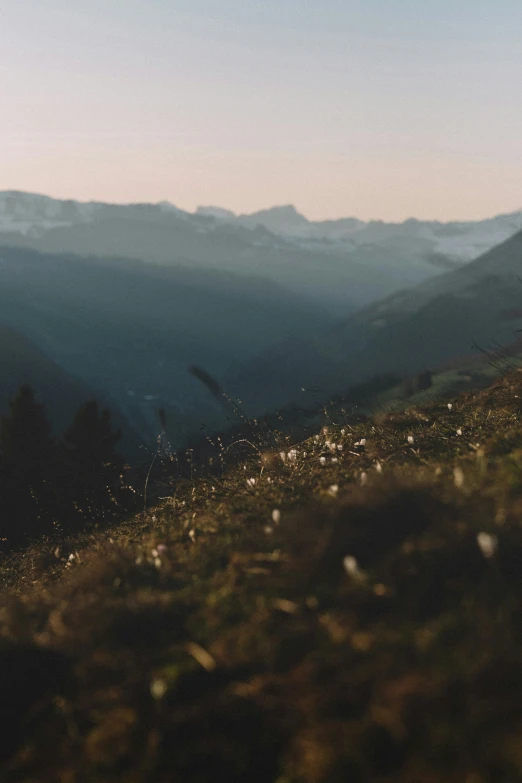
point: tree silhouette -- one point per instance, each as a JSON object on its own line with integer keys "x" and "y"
{"x": 93, "y": 467}
{"x": 27, "y": 466}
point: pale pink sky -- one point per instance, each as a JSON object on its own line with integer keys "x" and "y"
{"x": 342, "y": 107}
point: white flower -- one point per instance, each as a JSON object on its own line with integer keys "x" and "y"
{"x": 292, "y": 455}
{"x": 459, "y": 431}
{"x": 158, "y": 689}
{"x": 410, "y": 439}
{"x": 322, "y": 460}
{"x": 488, "y": 544}
{"x": 333, "y": 490}
{"x": 192, "y": 535}
{"x": 351, "y": 566}
{"x": 251, "y": 482}
{"x": 450, "y": 406}
{"x": 282, "y": 454}
{"x": 378, "y": 467}
{"x": 334, "y": 459}
{"x": 458, "y": 476}
{"x": 276, "y": 516}
{"x": 361, "y": 442}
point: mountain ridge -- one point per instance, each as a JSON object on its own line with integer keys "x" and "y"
{"x": 339, "y": 265}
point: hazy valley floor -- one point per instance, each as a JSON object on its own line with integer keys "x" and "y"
{"x": 347, "y": 610}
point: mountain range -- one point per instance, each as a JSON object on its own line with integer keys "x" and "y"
{"x": 124, "y": 299}
{"x": 340, "y": 265}
{"x": 131, "y": 330}
{"x": 461, "y": 313}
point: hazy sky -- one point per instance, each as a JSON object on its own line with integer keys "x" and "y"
{"x": 374, "y": 108}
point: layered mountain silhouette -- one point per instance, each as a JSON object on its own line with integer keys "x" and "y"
{"x": 133, "y": 329}
{"x": 462, "y": 313}
{"x": 23, "y": 362}
{"x": 338, "y": 264}
{"x": 127, "y": 297}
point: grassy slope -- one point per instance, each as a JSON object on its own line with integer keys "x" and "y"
{"x": 244, "y": 651}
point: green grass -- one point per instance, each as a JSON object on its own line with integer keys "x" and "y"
{"x": 204, "y": 641}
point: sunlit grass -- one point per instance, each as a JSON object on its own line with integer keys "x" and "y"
{"x": 344, "y": 606}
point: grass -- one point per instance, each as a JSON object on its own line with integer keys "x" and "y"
{"x": 360, "y": 634}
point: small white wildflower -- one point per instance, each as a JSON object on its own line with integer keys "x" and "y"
{"x": 361, "y": 442}
{"x": 71, "y": 558}
{"x": 459, "y": 431}
{"x": 154, "y": 553}
{"x": 282, "y": 454}
{"x": 192, "y": 535}
{"x": 351, "y": 566}
{"x": 342, "y": 432}
{"x": 305, "y": 454}
{"x": 322, "y": 460}
{"x": 450, "y": 406}
{"x": 316, "y": 439}
{"x": 292, "y": 455}
{"x": 269, "y": 480}
{"x": 251, "y": 482}
{"x": 411, "y": 439}
{"x": 154, "y": 518}
{"x": 158, "y": 689}
{"x": 333, "y": 490}
{"x": 334, "y": 459}
{"x": 363, "y": 479}
{"x": 488, "y": 544}
{"x": 276, "y": 516}
{"x": 458, "y": 476}
{"x": 378, "y": 467}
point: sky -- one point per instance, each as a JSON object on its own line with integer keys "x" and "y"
{"x": 370, "y": 108}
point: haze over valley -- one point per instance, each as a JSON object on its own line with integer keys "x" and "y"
{"x": 127, "y": 298}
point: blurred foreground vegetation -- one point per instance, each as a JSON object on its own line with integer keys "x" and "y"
{"x": 341, "y": 608}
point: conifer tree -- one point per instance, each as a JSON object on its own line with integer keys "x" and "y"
{"x": 94, "y": 468}
{"x": 27, "y": 468}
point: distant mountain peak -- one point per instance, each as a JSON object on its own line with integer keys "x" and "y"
{"x": 216, "y": 212}
{"x": 286, "y": 211}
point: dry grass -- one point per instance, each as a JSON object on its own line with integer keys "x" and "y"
{"x": 210, "y": 640}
